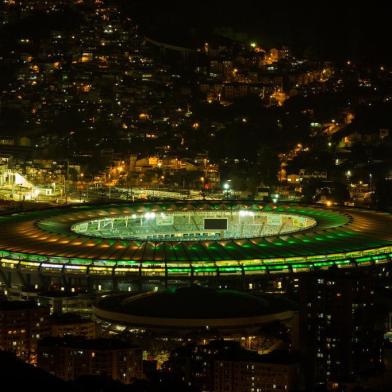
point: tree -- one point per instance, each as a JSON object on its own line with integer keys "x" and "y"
{"x": 383, "y": 194}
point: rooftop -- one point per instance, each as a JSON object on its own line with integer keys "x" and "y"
{"x": 86, "y": 344}
{"x": 68, "y": 318}
{"x": 226, "y": 350}
{"x": 196, "y": 303}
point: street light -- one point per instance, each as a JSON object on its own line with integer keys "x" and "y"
{"x": 203, "y": 192}
{"x": 348, "y": 175}
{"x": 226, "y": 187}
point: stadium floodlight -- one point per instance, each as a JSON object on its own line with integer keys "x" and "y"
{"x": 149, "y": 215}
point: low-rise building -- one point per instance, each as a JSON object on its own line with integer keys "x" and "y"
{"x": 69, "y": 358}
{"x": 22, "y": 324}
{"x": 71, "y": 324}
{"x": 225, "y": 366}
{"x": 273, "y": 372}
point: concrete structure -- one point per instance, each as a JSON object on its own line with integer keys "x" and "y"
{"x": 275, "y": 372}
{"x": 225, "y": 366}
{"x": 70, "y": 358}
{"x": 339, "y": 338}
{"x": 22, "y": 324}
{"x": 70, "y": 324}
{"x": 124, "y": 246}
{"x": 196, "y": 312}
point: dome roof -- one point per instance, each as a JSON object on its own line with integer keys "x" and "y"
{"x": 196, "y": 303}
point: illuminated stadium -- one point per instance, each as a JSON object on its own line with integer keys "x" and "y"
{"x": 111, "y": 246}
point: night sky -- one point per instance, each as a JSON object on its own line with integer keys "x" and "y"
{"x": 329, "y": 29}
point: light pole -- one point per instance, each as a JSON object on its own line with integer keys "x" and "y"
{"x": 81, "y": 186}
{"x": 65, "y": 189}
{"x": 203, "y": 193}
{"x": 348, "y": 175}
{"x": 226, "y": 187}
{"x": 65, "y": 181}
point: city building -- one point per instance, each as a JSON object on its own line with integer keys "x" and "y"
{"x": 57, "y": 299}
{"x": 242, "y": 372}
{"x": 22, "y": 324}
{"x": 225, "y": 366}
{"x": 69, "y": 358}
{"x": 338, "y": 324}
{"x": 72, "y": 324}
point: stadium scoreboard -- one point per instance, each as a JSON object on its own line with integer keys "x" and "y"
{"x": 215, "y": 223}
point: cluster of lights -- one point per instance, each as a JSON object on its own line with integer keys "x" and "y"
{"x": 374, "y": 254}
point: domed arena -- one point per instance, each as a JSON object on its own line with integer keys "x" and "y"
{"x": 126, "y": 245}
{"x": 198, "y": 314}
{"x": 194, "y": 308}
